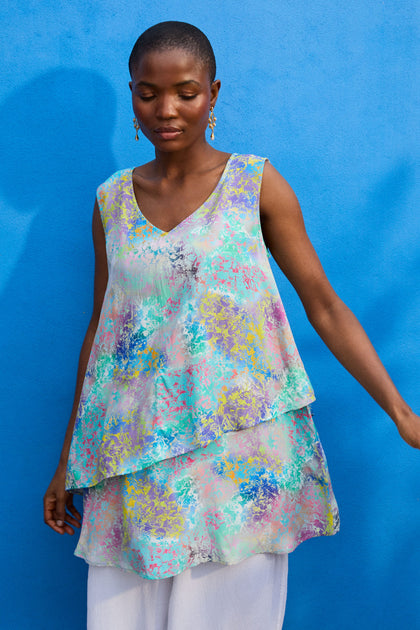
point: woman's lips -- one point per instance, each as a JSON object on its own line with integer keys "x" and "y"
{"x": 168, "y": 133}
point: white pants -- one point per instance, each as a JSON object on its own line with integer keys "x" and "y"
{"x": 250, "y": 595}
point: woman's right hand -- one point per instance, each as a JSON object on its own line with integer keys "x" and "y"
{"x": 59, "y": 511}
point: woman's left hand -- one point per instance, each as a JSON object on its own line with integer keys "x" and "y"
{"x": 409, "y": 428}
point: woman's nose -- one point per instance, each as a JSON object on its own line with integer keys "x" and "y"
{"x": 166, "y": 107}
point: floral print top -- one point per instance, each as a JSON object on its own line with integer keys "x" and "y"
{"x": 193, "y": 341}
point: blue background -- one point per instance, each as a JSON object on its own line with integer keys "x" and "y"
{"x": 326, "y": 90}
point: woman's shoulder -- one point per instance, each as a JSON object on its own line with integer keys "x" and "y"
{"x": 246, "y": 166}
{"x": 248, "y": 162}
{"x": 121, "y": 175}
{"x": 251, "y": 158}
{"x": 114, "y": 183}
{"x": 274, "y": 187}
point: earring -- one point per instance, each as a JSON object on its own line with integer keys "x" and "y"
{"x": 212, "y": 122}
{"x": 136, "y": 127}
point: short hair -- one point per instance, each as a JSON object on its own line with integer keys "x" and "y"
{"x": 171, "y": 35}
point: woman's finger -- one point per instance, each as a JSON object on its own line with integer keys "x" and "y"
{"x": 73, "y": 521}
{"x": 71, "y": 508}
{"x": 60, "y": 510}
{"x": 49, "y": 514}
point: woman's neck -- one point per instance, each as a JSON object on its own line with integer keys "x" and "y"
{"x": 178, "y": 164}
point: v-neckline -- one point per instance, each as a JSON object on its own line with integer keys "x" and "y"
{"x": 213, "y": 192}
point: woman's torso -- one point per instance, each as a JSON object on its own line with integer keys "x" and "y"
{"x": 193, "y": 340}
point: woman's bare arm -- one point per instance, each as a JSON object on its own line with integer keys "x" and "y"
{"x": 56, "y": 499}
{"x": 285, "y": 235}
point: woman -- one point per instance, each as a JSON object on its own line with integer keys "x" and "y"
{"x": 191, "y": 435}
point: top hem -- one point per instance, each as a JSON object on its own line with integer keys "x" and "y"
{"x": 137, "y": 466}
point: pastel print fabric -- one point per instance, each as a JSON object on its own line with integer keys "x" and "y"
{"x": 259, "y": 490}
{"x": 193, "y": 339}
{"x": 193, "y": 435}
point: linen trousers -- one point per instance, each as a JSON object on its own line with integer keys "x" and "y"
{"x": 250, "y": 595}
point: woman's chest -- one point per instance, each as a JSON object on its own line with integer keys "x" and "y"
{"x": 166, "y": 204}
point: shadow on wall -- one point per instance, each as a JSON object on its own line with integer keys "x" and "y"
{"x": 54, "y": 149}
{"x": 55, "y": 145}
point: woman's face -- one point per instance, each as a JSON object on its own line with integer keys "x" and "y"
{"x": 172, "y": 96}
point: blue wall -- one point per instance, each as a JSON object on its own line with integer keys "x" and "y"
{"x": 326, "y": 90}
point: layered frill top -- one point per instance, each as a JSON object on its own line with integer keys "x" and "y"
{"x": 193, "y": 341}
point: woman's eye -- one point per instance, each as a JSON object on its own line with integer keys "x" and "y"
{"x": 146, "y": 97}
{"x": 187, "y": 97}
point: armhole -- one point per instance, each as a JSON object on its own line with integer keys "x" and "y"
{"x": 100, "y": 198}
{"x": 264, "y": 162}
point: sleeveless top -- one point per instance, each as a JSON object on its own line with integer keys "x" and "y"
{"x": 193, "y": 341}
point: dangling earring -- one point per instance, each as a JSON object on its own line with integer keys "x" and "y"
{"x": 136, "y": 127}
{"x": 212, "y": 122}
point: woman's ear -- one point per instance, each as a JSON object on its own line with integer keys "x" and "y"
{"x": 130, "y": 85}
{"x": 214, "y": 92}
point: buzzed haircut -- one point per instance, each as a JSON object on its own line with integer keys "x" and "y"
{"x": 171, "y": 35}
